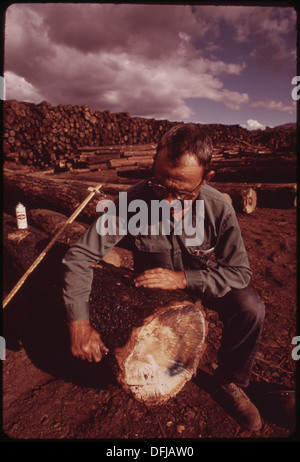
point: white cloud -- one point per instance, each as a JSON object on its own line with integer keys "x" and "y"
{"x": 253, "y": 125}
{"x": 273, "y": 105}
{"x": 147, "y": 60}
{"x": 144, "y": 63}
{"x": 18, "y": 88}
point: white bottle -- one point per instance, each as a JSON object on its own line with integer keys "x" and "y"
{"x": 21, "y": 216}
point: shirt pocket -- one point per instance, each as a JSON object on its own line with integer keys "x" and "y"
{"x": 201, "y": 255}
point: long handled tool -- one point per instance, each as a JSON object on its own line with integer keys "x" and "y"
{"x": 48, "y": 247}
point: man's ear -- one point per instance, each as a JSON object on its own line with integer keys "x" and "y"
{"x": 209, "y": 176}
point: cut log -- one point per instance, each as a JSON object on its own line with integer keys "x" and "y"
{"x": 101, "y": 149}
{"x": 156, "y": 336}
{"x": 243, "y": 198}
{"x": 274, "y": 195}
{"x": 277, "y": 195}
{"x": 63, "y": 196}
{"x": 132, "y": 160}
{"x": 228, "y": 198}
{"x": 40, "y": 192}
{"x": 51, "y": 222}
{"x": 271, "y": 170}
{"x": 21, "y": 246}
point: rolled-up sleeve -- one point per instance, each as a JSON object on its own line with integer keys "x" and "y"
{"x": 232, "y": 269}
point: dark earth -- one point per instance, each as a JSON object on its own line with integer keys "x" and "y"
{"x": 49, "y": 395}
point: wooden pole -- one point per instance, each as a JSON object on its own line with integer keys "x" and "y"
{"x": 49, "y": 246}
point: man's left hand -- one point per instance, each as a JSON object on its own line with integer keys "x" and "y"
{"x": 161, "y": 278}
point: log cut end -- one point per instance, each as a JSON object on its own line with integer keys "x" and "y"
{"x": 163, "y": 354}
{"x": 249, "y": 199}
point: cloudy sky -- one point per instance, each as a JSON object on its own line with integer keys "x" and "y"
{"x": 206, "y": 64}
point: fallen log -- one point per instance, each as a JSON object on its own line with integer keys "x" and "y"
{"x": 100, "y": 149}
{"x": 51, "y": 222}
{"x": 63, "y": 196}
{"x": 273, "y": 171}
{"x": 95, "y": 158}
{"x": 40, "y": 192}
{"x": 155, "y": 337}
{"x": 243, "y": 198}
{"x": 132, "y": 160}
{"x": 277, "y": 195}
{"x": 273, "y": 195}
{"x": 21, "y": 246}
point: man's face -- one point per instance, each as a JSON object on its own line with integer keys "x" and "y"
{"x": 185, "y": 176}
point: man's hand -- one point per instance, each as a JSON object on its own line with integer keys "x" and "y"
{"x": 86, "y": 342}
{"x": 161, "y": 278}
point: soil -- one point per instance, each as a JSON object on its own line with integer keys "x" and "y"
{"x": 49, "y": 395}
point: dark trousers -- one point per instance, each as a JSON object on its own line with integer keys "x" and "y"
{"x": 242, "y": 313}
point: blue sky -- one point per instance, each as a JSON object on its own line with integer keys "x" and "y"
{"x": 204, "y": 64}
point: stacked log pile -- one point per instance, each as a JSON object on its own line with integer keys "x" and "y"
{"x": 78, "y": 137}
{"x": 116, "y": 157}
{"x": 45, "y": 136}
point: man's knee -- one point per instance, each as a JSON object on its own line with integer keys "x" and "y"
{"x": 249, "y": 303}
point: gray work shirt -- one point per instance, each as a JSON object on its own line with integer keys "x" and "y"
{"x": 222, "y": 238}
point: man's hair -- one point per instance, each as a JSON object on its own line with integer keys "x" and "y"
{"x": 184, "y": 139}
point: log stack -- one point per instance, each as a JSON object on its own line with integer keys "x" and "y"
{"x": 66, "y": 137}
{"x": 56, "y": 136}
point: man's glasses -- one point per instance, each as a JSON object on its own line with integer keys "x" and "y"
{"x": 180, "y": 195}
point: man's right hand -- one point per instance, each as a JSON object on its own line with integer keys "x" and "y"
{"x": 86, "y": 342}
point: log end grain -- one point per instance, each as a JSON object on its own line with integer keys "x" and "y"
{"x": 249, "y": 200}
{"x": 163, "y": 354}
{"x": 155, "y": 336}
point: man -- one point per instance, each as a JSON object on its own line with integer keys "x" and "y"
{"x": 181, "y": 171}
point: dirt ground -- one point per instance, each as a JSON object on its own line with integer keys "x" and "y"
{"x": 49, "y": 395}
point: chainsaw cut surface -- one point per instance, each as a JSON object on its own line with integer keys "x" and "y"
{"x": 164, "y": 353}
